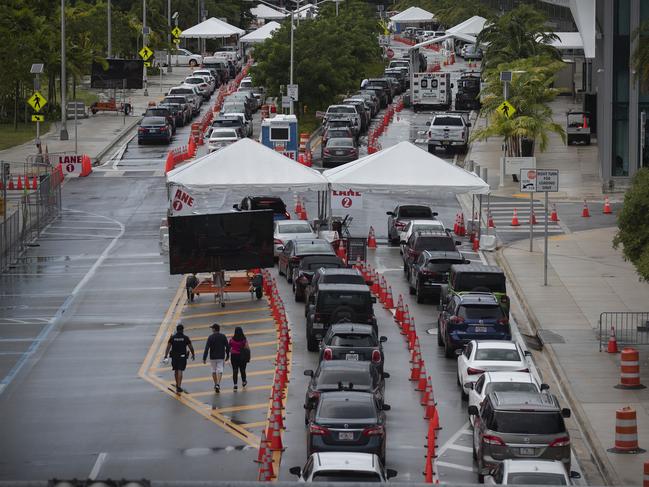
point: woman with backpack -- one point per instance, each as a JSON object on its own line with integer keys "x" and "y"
{"x": 239, "y": 356}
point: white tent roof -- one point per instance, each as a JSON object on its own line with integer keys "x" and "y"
{"x": 472, "y": 26}
{"x": 212, "y": 28}
{"x": 262, "y": 11}
{"x": 583, "y": 11}
{"x": 249, "y": 165}
{"x": 404, "y": 168}
{"x": 261, "y": 34}
{"x": 463, "y": 37}
{"x": 567, "y": 40}
{"x": 413, "y": 14}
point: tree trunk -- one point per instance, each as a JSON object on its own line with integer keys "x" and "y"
{"x": 16, "y": 94}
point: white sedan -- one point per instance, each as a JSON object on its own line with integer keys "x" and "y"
{"x": 414, "y": 225}
{"x": 530, "y": 472}
{"x": 286, "y": 230}
{"x": 220, "y": 138}
{"x": 480, "y": 356}
{"x": 502, "y": 381}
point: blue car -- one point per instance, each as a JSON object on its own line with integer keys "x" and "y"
{"x": 471, "y": 316}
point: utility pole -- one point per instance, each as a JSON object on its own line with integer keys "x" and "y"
{"x": 110, "y": 31}
{"x": 64, "y": 80}
{"x": 291, "y": 73}
{"x": 145, "y": 31}
{"x": 169, "y": 69}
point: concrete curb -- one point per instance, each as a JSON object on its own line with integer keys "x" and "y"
{"x": 598, "y": 455}
{"x": 116, "y": 140}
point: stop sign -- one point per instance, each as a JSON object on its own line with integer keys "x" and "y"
{"x": 389, "y": 53}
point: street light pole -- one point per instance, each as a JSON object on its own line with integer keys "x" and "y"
{"x": 169, "y": 69}
{"x": 64, "y": 116}
{"x": 110, "y": 31}
{"x": 144, "y": 42}
{"x": 291, "y": 73}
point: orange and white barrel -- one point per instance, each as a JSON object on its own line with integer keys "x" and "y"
{"x": 304, "y": 138}
{"x": 629, "y": 369}
{"x": 645, "y": 475}
{"x": 626, "y": 431}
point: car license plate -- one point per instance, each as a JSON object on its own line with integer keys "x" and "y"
{"x": 340, "y": 152}
{"x": 351, "y": 356}
{"x": 445, "y": 142}
{"x": 527, "y": 451}
{"x": 480, "y": 329}
{"x": 318, "y": 326}
{"x": 345, "y": 435}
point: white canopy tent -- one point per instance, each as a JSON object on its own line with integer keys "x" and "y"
{"x": 404, "y": 168}
{"x": 472, "y": 26}
{"x": 261, "y": 34}
{"x": 413, "y": 14}
{"x": 264, "y": 12}
{"x": 212, "y": 28}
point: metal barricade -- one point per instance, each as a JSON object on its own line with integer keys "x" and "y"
{"x": 631, "y": 328}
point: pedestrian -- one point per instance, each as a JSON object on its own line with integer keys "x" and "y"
{"x": 240, "y": 351}
{"x": 190, "y": 284}
{"x": 219, "y": 349}
{"x": 177, "y": 347}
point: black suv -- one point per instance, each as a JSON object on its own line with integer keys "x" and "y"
{"x": 429, "y": 273}
{"x": 433, "y": 240}
{"x": 353, "y": 342}
{"x": 303, "y": 273}
{"x": 338, "y": 303}
{"x": 331, "y": 276}
{"x": 295, "y": 250}
{"x": 468, "y": 92}
{"x": 477, "y": 278}
{"x": 264, "y": 203}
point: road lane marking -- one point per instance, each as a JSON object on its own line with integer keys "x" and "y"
{"x": 256, "y": 424}
{"x": 223, "y": 313}
{"x": 231, "y": 391}
{"x": 225, "y": 376}
{"x": 455, "y": 466}
{"x": 101, "y": 458}
{"x": 243, "y": 407}
{"x": 462, "y": 448}
{"x": 463, "y": 429}
{"x": 230, "y": 323}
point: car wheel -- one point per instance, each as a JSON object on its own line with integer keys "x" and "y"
{"x": 431, "y": 148}
{"x": 299, "y": 296}
{"x": 289, "y": 274}
{"x": 311, "y": 343}
{"x": 411, "y": 290}
{"x": 420, "y": 297}
{"x": 405, "y": 268}
{"x": 449, "y": 353}
{"x": 279, "y": 268}
{"x": 440, "y": 342}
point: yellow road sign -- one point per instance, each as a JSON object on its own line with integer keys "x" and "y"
{"x": 146, "y": 53}
{"x": 506, "y": 109}
{"x": 384, "y": 26}
{"x": 37, "y": 101}
{"x": 176, "y": 41}
{"x": 38, "y": 118}
{"x": 176, "y": 31}
{"x": 147, "y": 64}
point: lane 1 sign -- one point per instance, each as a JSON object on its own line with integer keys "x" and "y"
{"x": 71, "y": 165}
{"x": 539, "y": 180}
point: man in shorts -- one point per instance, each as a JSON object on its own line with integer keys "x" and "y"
{"x": 219, "y": 349}
{"x": 178, "y": 344}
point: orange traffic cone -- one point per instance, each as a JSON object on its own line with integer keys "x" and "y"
{"x": 515, "y": 222}
{"x": 585, "y": 213}
{"x": 298, "y": 206}
{"x": 612, "y": 342}
{"x": 456, "y": 227}
{"x": 398, "y": 315}
{"x": 371, "y": 239}
{"x": 554, "y": 217}
{"x": 27, "y": 186}
{"x": 389, "y": 302}
{"x": 490, "y": 221}
{"x": 533, "y": 217}
{"x": 20, "y": 183}
{"x": 10, "y": 185}
{"x": 462, "y": 227}
{"x": 607, "y": 206}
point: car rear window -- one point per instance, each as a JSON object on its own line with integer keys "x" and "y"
{"x": 467, "y": 281}
{"x": 534, "y": 478}
{"x": 360, "y": 378}
{"x": 341, "y": 109}
{"x": 527, "y": 422}
{"x": 267, "y": 204}
{"x": 308, "y": 248}
{"x": 415, "y": 212}
{"x": 340, "y": 142}
{"x": 218, "y": 133}
{"x": 339, "y": 123}
{"x": 157, "y": 112}
{"x": 353, "y": 340}
{"x": 510, "y": 387}
{"x": 341, "y": 132}
{"x": 294, "y": 228}
{"x": 441, "y": 265}
{"x": 452, "y": 121}
{"x": 497, "y": 354}
{"x": 345, "y": 476}
{"x": 348, "y": 408}
{"x": 154, "y": 121}
{"x": 480, "y": 312}
{"x": 343, "y": 279}
{"x": 343, "y": 298}
{"x": 435, "y": 243}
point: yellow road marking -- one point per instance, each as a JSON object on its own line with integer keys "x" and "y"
{"x": 256, "y": 358}
{"x": 253, "y": 332}
{"x": 243, "y": 407}
{"x": 231, "y": 391}
{"x": 256, "y": 424}
{"x": 224, "y": 313}
{"x": 212, "y": 303}
{"x": 230, "y": 323}
{"x": 225, "y": 376}
{"x": 262, "y": 344}
{"x": 559, "y": 237}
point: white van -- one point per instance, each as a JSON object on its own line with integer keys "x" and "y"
{"x": 431, "y": 90}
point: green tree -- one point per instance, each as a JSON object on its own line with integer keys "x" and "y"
{"x": 633, "y": 233}
{"x": 640, "y": 56}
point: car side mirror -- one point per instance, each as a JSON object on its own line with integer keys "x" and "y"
{"x": 373, "y": 299}
{"x": 402, "y": 242}
{"x": 280, "y": 248}
{"x": 466, "y": 261}
{"x": 428, "y": 124}
{"x": 435, "y": 213}
{"x": 575, "y": 475}
{"x": 469, "y": 385}
{"x": 295, "y": 471}
{"x": 312, "y": 299}
{"x": 565, "y": 412}
{"x": 468, "y": 124}
{"x": 386, "y": 407}
{"x": 391, "y": 473}
{"x": 473, "y": 410}
{"x": 389, "y": 213}
{"x": 308, "y": 373}
{"x": 451, "y": 85}
{"x": 383, "y": 339}
{"x": 458, "y": 352}
{"x": 369, "y": 283}
{"x": 527, "y": 353}
{"x": 457, "y": 242}
{"x": 235, "y": 206}
{"x": 545, "y": 387}
{"x": 386, "y": 375}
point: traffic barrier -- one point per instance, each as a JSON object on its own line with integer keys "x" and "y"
{"x": 607, "y": 207}
{"x": 629, "y": 369}
{"x": 554, "y": 217}
{"x": 612, "y": 342}
{"x": 515, "y": 222}
{"x": 585, "y": 213}
{"x": 626, "y": 432}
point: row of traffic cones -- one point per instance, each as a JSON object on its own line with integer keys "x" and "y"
{"x": 554, "y": 217}
{"x": 374, "y": 134}
{"x": 19, "y": 184}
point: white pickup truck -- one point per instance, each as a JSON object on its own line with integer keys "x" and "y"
{"x": 449, "y": 130}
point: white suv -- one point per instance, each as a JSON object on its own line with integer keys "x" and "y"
{"x": 343, "y": 467}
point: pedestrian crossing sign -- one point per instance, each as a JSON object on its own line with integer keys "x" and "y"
{"x": 38, "y": 117}
{"x": 146, "y": 53}
{"x": 37, "y": 101}
{"x": 506, "y": 109}
{"x": 176, "y": 32}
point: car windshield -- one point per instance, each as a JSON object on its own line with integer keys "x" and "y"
{"x": 352, "y": 340}
{"x": 154, "y": 121}
{"x": 157, "y": 112}
{"x": 194, "y": 81}
{"x": 528, "y": 422}
{"x": 338, "y": 123}
{"x": 313, "y": 248}
{"x": 536, "y": 478}
{"x": 277, "y": 206}
{"x": 480, "y": 312}
{"x": 341, "y": 142}
{"x": 510, "y": 387}
{"x": 348, "y": 408}
{"x": 359, "y": 378}
{"x": 441, "y": 265}
{"x": 294, "y": 228}
{"x": 435, "y": 243}
{"x": 341, "y": 109}
{"x": 345, "y": 476}
{"x": 467, "y": 281}
{"x": 343, "y": 298}
{"x": 453, "y": 121}
{"x": 498, "y": 354}
{"x": 338, "y": 132}
{"x": 415, "y": 212}
{"x": 221, "y": 133}
{"x": 343, "y": 279}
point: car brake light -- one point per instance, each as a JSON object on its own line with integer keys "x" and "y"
{"x": 472, "y": 371}
{"x": 287, "y": 215}
{"x": 316, "y": 430}
{"x": 503, "y": 321}
{"x": 456, "y": 320}
{"x": 429, "y": 273}
{"x": 295, "y": 259}
{"x": 278, "y": 241}
{"x": 142, "y": 129}
{"x": 314, "y": 395}
{"x": 563, "y": 441}
{"x": 326, "y": 151}
{"x": 399, "y": 224}
{"x": 316, "y": 317}
{"x": 376, "y": 356}
{"x": 373, "y": 431}
{"x": 327, "y": 354}
{"x": 493, "y": 440}
{"x": 302, "y": 278}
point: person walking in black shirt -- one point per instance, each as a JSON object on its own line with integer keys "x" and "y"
{"x": 219, "y": 349}
{"x": 178, "y": 344}
{"x": 190, "y": 283}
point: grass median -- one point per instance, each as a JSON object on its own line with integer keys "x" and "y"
{"x": 10, "y": 137}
